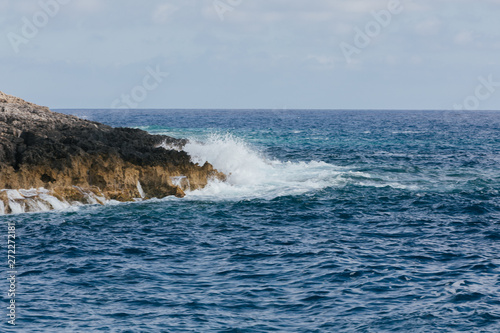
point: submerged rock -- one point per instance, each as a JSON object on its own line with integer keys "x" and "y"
{"x": 79, "y": 161}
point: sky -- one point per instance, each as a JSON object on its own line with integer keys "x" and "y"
{"x": 252, "y": 54}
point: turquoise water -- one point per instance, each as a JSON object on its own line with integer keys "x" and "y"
{"x": 331, "y": 221}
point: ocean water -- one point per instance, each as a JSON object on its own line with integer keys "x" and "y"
{"x": 331, "y": 221}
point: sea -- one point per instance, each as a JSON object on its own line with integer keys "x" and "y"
{"x": 330, "y": 221}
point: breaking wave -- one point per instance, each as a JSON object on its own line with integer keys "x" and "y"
{"x": 40, "y": 200}
{"x": 253, "y": 175}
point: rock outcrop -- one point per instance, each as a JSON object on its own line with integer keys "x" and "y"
{"x": 79, "y": 161}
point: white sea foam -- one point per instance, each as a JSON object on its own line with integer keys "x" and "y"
{"x": 141, "y": 191}
{"x": 39, "y": 200}
{"x": 169, "y": 146}
{"x": 252, "y": 175}
{"x": 54, "y": 202}
{"x": 14, "y": 195}
{"x": 16, "y": 207}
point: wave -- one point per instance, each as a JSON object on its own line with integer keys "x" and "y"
{"x": 40, "y": 200}
{"x": 253, "y": 175}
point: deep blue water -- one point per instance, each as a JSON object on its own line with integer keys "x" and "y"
{"x": 332, "y": 221}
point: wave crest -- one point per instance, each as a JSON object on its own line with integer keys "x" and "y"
{"x": 252, "y": 175}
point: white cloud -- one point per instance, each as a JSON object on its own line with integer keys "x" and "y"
{"x": 416, "y": 60}
{"x": 361, "y": 6}
{"x": 428, "y": 27}
{"x": 463, "y": 38}
{"x": 89, "y": 6}
{"x": 163, "y": 12}
{"x": 260, "y": 41}
{"x": 322, "y": 61}
{"x": 4, "y": 4}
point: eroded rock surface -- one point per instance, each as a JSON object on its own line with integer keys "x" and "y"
{"x": 78, "y": 160}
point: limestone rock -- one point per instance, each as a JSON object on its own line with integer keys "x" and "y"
{"x": 77, "y": 160}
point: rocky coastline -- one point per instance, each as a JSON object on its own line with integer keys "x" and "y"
{"x": 48, "y": 159}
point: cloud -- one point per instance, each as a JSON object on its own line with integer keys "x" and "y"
{"x": 463, "y": 38}
{"x": 162, "y": 13}
{"x": 4, "y": 4}
{"x": 284, "y": 42}
{"x": 89, "y": 6}
{"x": 322, "y": 61}
{"x": 428, "y": 27}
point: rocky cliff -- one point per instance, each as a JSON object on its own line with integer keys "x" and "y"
{"x": 64, "y": 159}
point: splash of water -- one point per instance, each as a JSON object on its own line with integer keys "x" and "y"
{"x": 252, "y": 175}
{"x": 40, "y": 200}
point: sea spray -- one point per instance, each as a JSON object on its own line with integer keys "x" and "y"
{"x": 231, "y": 155}
{"x": 40, "y": 200}
{"x": 252, "y": 175}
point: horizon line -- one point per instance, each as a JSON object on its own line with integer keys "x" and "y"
{"x": 267, "y": 109}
